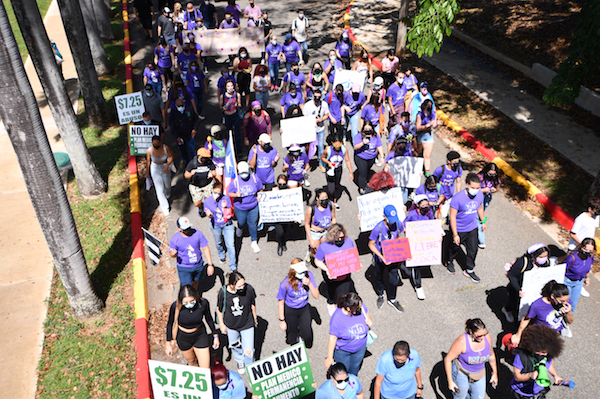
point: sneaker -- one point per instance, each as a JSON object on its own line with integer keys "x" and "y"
{"x": 509, "y": 316}
{"x": 420, "y": 293}
{"x": 254, "y": 246}
{"x": 584, "y": 292}
{"x": 378, "y": 162}
{"x": 396, "y": 305}
{"x": 202, "y": 117}
{"x": 482, "y": 246}
{"x": 566, "y": 332}
{"x": 272, "y": 87}
{"x": 380, "y": 301}
{"x": 306, "y": 183}
{"x": 202, "y": 214}
{"x": 450, "y": 267}
{"x": 337, "y": 206}
{"x": 222, "y": 260}
{"x": 331, "y": 308}
{"x": 279, "y": 250}
{"x": 472, "y": 276}
{"x": 241, "y": 368}
{"x": 238, "y": 232}
{"x": 260, "y": 226}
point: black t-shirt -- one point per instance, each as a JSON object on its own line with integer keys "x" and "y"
{"x": 200, "y": 178}
{"x": 237, "y": 314}
{"x": 143, "y": 8}
{"x": 191, "y": 318}
{"x": 267, "y": 26}
{"x": 208, "y": 13}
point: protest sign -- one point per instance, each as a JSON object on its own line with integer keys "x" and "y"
{"x": 406, "y": 171}
{"x": 130, "y": 107}
{"x": 370, "y": 207}
{"x": 298, "y": 130}
{"x": 140, "y": 138}
{"x": 343, "y": 262}
{"x": 425, "y": 238}
{"x": 281, "y": 206}
{"x": 171, "y": 380}
{"x": 348, "y": 78}
{"x": 534, "y": 281}
{"x": 284, "y": 375}
{"x": 215, "y": 42}
{"x": 397, "y": 250}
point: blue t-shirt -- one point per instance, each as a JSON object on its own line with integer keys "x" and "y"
{"x": 400, "y": 382}
{"x": 328, "y": 390}
{"x": 189, "y": 249}
{"x": 236, "y": 388}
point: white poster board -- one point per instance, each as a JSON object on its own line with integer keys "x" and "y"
{"x": 171, "y": 380}
{"x": 215, "y": 42}
{"x": 281, "y": 206}
{"x": 298, "y": 130}
{"x": 130, "y": 107}
{"x": 425, "y": 239}
{"x": 348, "y": 78}
{"x": 370, "y": 207}
{"x": 140, "y": 138}
{"x": 407, "y": 171}
{"x": 534, "y": 281}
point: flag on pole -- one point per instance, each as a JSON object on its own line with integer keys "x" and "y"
{"x": 153, "y": 244}
{"x": 230, "y": 170}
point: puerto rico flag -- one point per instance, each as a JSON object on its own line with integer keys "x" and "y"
{"x": 230, "y": 171}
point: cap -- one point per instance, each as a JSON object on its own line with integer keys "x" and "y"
{"x": 390, "y": 213}
{"x": 288, "y": 36}
{"x": 452, "y": 155}
{"x": 255, "y": 104}
{"x": 299, "y": 267}
{"x": 295, "y": 147}
{"x": 265, "y": 138}
{"x": 355, "y": 88}
{"x": 215, "y": 129}
{"x": 243, "y": 167}
{"x": 535, "y": 247}
{"x": 378, "y": 81}
{"x": 183, "y": 223}
{"x": 419, "y": 198}
{"x": 167, "y": 10}
{"x": 345, "y": 33}
{"x": 148, "y": 87}
{"x": 423, "y": 84}
{"x": 204, "y": 152}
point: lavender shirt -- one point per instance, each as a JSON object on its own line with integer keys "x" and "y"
{"x": 291, "y": 51}
{"x": 264, "y": 168}
{"x": 296, "y": 170}
{"x": 447, "y": 179}
{"x": 466, "y": 217}
{"x": 351, "y": 331}
{"x": 473, "y": 361}
{"x": 416, "y": 216}
{"x": 353, "y": 104}
{"x": 396, "y": 93}
{"x": 189, "y": 249}
{"x": 219, "y": 148}
{"x": 578, "y": 268}
{"x": 298, "y": 80}
{"x": 369, "y": 151}
{"x": 164, "y": 56}
{"x": 273, "y": 52}
{"x": 370, "y": 114}
{"x": 337, "y": 64}
{"x": 287, "y": 100}
{"x": 248, "y": 189}
{"x": 295, "y": 299}
{"x": 529, "y": 387}
{"x": 432, "y": 196}
{"x": 153, "y": 75}
{"x": 321, "y": 218}
{"x": 543, "y": 313}
{"x": 216, "y": 208}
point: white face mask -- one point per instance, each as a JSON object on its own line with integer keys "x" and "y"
{"x": 149, "y": 93}
{"x": 400, "y": 79}
{"x": 341, "y": 385}
{"x": 181, "y": 109}
{"x": 473, "y": 191}
{"x": 147, "y": 122}
{"x": 190, "y": 305}
{"x": 224, "y": 386}
{"x": 332, "y": 57}
{"x": 300, "y": 16}
{"x": 300, "y": 276}
{"x": 216, "y": 196}
{"x": 274, "y": 42}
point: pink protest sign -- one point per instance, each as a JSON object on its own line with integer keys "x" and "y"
{"x": 397, "y": 250}
{"x": 343, "y": 262}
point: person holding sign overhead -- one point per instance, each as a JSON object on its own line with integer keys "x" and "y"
{"x": 227, "y": 384}
{"x": 340, "y": 384}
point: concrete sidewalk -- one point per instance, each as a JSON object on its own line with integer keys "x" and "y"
{"x": 25, "y": 280}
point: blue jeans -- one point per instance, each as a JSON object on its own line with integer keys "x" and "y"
{"x": 250, "y": 218}
{"x": 224, "y": 240}
{"x": 187, "y": 275}
{"x": 288, "y": 66}
{"x": 157, "y": 87}
{"x": 476, "y": 389}
{"x": 171, "y": 40}
{"x": 574, "y": 287}
{"x": 188, "y": 149}
{"x": 487, "y": 199}
{"x": 352, "y": 122}
{"x": 232, "y": 122}
{"x": 304, "y": 46}
{"x": 262, "y": 98}
{"x": 274, "y": 72}
{"x": 321, "y": 145}
{"x": 243, "y": 351}
{"x": 198, "y": 98}
{"x": 352, "y": 361}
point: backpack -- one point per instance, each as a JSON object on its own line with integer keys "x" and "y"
{"x": 508, "y": 266}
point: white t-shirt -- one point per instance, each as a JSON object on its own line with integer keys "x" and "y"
{"x": 584, "y": 227}
{"x": 322, "y": 109}
{"x": 299, "y": 26}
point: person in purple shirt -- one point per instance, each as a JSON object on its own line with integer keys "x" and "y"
{"x": 403, "y": 129}
{"x": 197, "y": 83}
{"x": 292, "y": 51}
{"x": 187, "y": 245}
{"x": 180, "y": 91}
{"x": 164, "y": 57}
{"x": 343, "y": 49}
{"x": 430, "y": 189}
{"x": 263, "y": 158}
{"x": 466, "y": 208}
{"x": 229, "y": 22}
{"x": 579, "y": 264}
{"x": 489, "y": 185}
{"x": 395, "y": 95}
{"x": 183, "y": 60}
{"x": 294, "y": 76}
{"x": 294, "y": 311}
{"x": 234, "y": 10}
{"x": 244, "y": 189}
{"x": 366, "y": 147}
{"x": 353, "y": 103}
{"x": 291, "y": 98}
{"x": 296, "y": 164}
{"x": 331, "y": 66}
{"x": 190, "y": 15}
{"x": 275, "y": 55}
{"x": 217, "y": 144}
{"x": 348, "y": 330}
{"x": 218, "y": 207}
{"x": 337, "y": 117}
{"x": 373, "y": 112}
{"x": 155, "y": 77}
{"x": 225, "y": 76}
{"x": 448, "y": 176}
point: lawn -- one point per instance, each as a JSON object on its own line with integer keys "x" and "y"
{"x": 43, "y": 6}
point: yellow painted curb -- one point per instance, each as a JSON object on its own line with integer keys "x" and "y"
{"x": 134, "y": 194}
{"x": 140, "y": 298}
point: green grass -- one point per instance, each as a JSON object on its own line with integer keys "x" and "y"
{"x": 43, "y": 5}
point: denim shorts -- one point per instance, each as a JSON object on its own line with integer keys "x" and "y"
{"x": 425, "y": 137}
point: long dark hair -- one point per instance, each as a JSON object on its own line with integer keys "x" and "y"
{"x": 174, "y": 93}
{"x": 187, "y": 290}
{"x": 484, "y": 173}
{"x": 318, "y": 192}
{"x": 552, "y": 288}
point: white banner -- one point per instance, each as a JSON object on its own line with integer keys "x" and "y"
{"x": 171, "y": 380}
{"x": 407, "y": 171}
{"x": 298, "y": 130}
{"x": 534, "y": 281}
{"x": 348, "y": 78}
{"x": 370, "y": 207}
{"x": 281, "y": 206}
{"x": 130, "y": 107}
{"x": 217, "y": 42}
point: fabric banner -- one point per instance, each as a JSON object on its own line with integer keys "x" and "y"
{"x": 425, "y": 239}
{"x": 348, "y": 78}
{"x": 171, "y": 380}
{"x": 343, "y": 262}
{"x": 298, "y": 130}
{"x": 370, "y": 207}
{"x": 140, "y": 138}
{"x": 535, "y": 280}
{"x": 215, "y": 42}
{"x": 153, "y": 244}
{"x": 407, "y": 171}
{"x": 281, "y": 206}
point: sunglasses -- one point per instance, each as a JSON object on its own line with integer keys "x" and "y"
{"x": 340, "y": 381}
{"x": 479, "y": 336}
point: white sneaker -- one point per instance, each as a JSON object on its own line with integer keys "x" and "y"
{"x": 566, "y": 332}
{"x": 238, "y": 232}
{"x": 509, "y": 317}
{"x": 584, "y": 292}
{"x": 241, "y": 368}
{"x": 420, "y": 293}
{"x": 306, "y": 183}
{"x": 202, "y": 117}
{"x": 331, "y": 308}
{"x": 255, "y": 247}
{"x": 337, "y": 206}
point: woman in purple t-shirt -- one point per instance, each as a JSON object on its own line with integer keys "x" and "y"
{"x": 317, "y": 220}
{"x": 296, "y": 164}
{"x": 294, "y": 312}
{"x": 244, "y": 189}
{"x": 155, "y": 76}
{"x": 164, "y": 57}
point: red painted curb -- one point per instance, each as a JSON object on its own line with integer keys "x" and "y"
{"x": 143, "y": 349}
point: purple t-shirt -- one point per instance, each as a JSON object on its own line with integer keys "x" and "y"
{"x": 335, "y": 105}
{"x": 288, "y": 100}
{"x": 248, "y": 189}
{"x": 273, "y": 52}
{"x": 343, "y": 48}
{"x": 219, "y": 148}
{"x": 298, "y": 80}
{"x": 291, "y": 51}
{"x": 409, "y": 82}
{"x": 153, "y": 75}
{"x": 392, "y": 154}
{"x": 321, "y": 218}
{"x": 164, "y": 56}
{"x": 367, "y": 151}
{"x": 529, "y": 387}
{"x": 432, "y": 195}
{"x": 543, "y": 313}
{"x": 370, "y": 114}
{"x": 189, "y": 249}
{"x": 184, "y": 60}
{"x": 296, "y": 170}
{"x": 353, "y": 104}
{"x": 235, "y": 12}
{"x": 264, "y": 167}
{"x": 192, "y": 16}
{"x": 447, "y": 178}
{"x": 326, "y": 248}
{"x": 416, "y": 216}
{"x": 229, "y": 25}
{"x": 351, "y": 331}
{"x": 216, "y": 208}
{"x": 195, "y": 81}
{"x": 295, "y": 299}
{"x": 223, "y": 79}
{"x": 381, "y": 232}
{"x": 336, "y": 65}
{"x": 471, "y": 360}
{"x": 396, "y": 93}
{"x": 466, "y": 218}
{"x": 578, "y": 268}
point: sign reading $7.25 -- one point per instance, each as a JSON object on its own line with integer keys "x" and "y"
{"x": 177, "y": 381}
{"x": 130, "y": 107}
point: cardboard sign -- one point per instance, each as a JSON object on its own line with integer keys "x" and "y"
{"x": 348, "y": 78}
{"x": 286, "y": 375}
{"x": 425, "y": 238}
{"x": 130, "y": 107}
{"x": 171, "y": 380}
{"x": 281, "y": 206}
{"x": 140, "y": 138}
{"x": 407, "y": 171}
{"x": 397, "y": 250}
{"x": 217, "y": 42}
{"x": 534, "y": 281}
{"x": 343, "y": 262}
{"x": 298, "y": 130}
{"x": 370, "y": 207}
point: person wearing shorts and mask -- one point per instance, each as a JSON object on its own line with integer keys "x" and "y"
{"x": 201, "y": 174}
{"x": 219, "y": 209}
{"x": 263, "y": 159}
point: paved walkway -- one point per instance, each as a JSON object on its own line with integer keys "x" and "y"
{"x": 25, "y": 280}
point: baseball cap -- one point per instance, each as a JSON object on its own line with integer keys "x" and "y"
{"x": 419, "y": 198}
{"x": 184, "y": 223}
{"x": 215, "y": 129}
{"x": 295, "y": 147}
{"x": 288, "y": 36}
{"x": 299, "y": 267}
{"x": 167, "y": 10}
{"x": 243, "y": 167}
{"x": 390, "y": 213}
{"x": 423, "y": 84}
{"x": 265, "y": 138}
{"x": 204, "y": 152}
{"x": 378, "y": 81}
{"x": 355, "y": 88}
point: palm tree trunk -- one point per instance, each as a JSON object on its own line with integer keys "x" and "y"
{"x": 20, "y": 114}
{"x": 402, "y": 28}
{"x": 95, "y": 105}
{"x": 102, "y": 15}
{"x": 95, "y": 41}
{"x": 89, "y": 181}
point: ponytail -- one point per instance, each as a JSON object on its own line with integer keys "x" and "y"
{"x": 552, "y": 288}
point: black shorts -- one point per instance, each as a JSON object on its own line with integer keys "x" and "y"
{"x": 146, "y": 23}
{"x": 197, "y": 339}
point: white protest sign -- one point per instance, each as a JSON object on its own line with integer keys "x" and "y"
{"x": 130, "y": 107}
{"x": 534, "y": 281}
{"x": 140, "y": 138}
{"x": 217, "y": 42}
{"x": 348, "y": 78}
{"x": 370, "y": 207}
{"x": 171, "y": 380}
{"x": 407, "y": 171}
{"x": 298, "y": 130}
{"x": 281, "y": 206}
{"x": 425, "y": 239}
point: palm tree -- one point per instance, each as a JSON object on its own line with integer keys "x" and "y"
{"x": 20, "y": 114}
{"x": 88, "y": 178}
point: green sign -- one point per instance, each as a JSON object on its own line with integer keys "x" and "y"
{"x": 176, "y": 381}
{"x": 140, "y": 138}
{"x": 284, "y": 375}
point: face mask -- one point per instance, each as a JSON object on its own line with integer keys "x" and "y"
{"x": 216, "y": 196}
{"x": 295, "y": 153}
{"x": 251, "y": 4}
{"x": 181, "y": 109}
{"x": 300, "y": 16}
{"x": 218, "y": 136}
{"x": 296, "y": 71}
{"x": 332, "y": 57}
{"x": 156, "y": 146}
{"x": 400, "y": 79}
{"x": 300, "y": 276}
{"x": 454, "y": 166}
{"x": 341, "y": 385}
{"x": 179, "y": 86}
{"x": 377, "y": 87}
{"x": 293, "y": 94}
{"x": 346, "y": 39}
{"x": 393, "y": 226}
{"x": 539, "y": 357}
{"x": 224, "y": 386}
{"x": 256, "y": 112}
{"x": 228, "y": 19}
{"x": 339, "y": 242}
{"x": 584, "y": 255}
{"x": 541, "y": 261}
{"x": 149, "y": 93}
{"x": 317, "y": 100}
{"x": 431, "y": 188}
{"x": 355, "y": 96}
{"x": 358, "y": 312}
{"x": 406, "y": 123}
{"x": 556, "y": 305}
{"x": 399, "y": 364}
{"x": 241, "y": 291}
{"x": 190, "y": 305}
{"x": 473, "y": 191}
{"x": 243, "y": 55}
{"x": 147, "y": 122}
{"x": 206, "y": 2}
{"x": 324, "y": 203}
{"x": 318, "y": 71}
{"x": 274, "y": 42}
{"x": 194, "y": 68}
{"x": 282, "y": 186}
{"x": 245, "y": 176}
{"x": 263, "y": 73}
{"x": 267, "y": 147}
{"x": 424, "y": 210}
{"x": 204, "y": 160}
{"x": 186, "y": 50}
{"x": 229, "y": 91}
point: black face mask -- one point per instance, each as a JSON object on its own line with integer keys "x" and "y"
{"x": 218, "y": 136}
{"x": 256, "y": 112}
{"x": 393, "y": 226}
{"x": 538, "y": 358}
{"x": 583, "y": 255}
{"x": 346, "y": 39}
{"x": 424, "y": 210}
{"x": 267, "y": 147}
{"x": 355, "y": 96}
{"x": 317, "y": 100}
{"x": 399, "y": 364}
{"x": 431, "y": 188}
{"x": 454, "y": 166}
{"x": 557, "y": 305}
{"x": 241, "y": 292}
{"x": 156, "y": 146}
{"x": 318, "y": 71}
{"x": 296, "y": 71}
{"x": 339, "y": 242}
{"x": 357, "y": 312}
{"x": 324, "y": 203}
{"x": 282, "y": 186}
